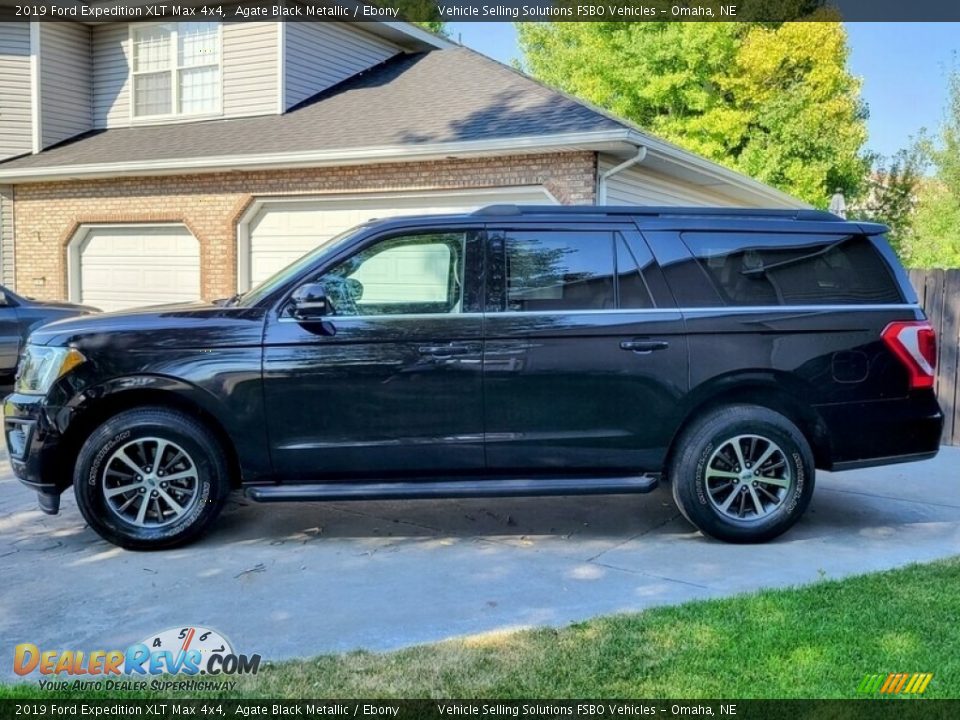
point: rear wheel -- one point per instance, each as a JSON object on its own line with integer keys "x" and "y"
{"x": 742, "y": 473}
{"x": 151, "y": 478}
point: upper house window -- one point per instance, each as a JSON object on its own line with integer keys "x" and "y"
{"x": 176, "y": 69}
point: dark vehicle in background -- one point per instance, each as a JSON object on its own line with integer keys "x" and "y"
{"x": 20, "y": 316}
{"x": 512, "y": 351}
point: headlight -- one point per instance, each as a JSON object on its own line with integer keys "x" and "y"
{"x": 40, "y": 366}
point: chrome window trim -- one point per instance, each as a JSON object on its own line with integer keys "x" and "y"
{"x": 389, "y": 316}
{"x": 803, "y": 308}
{"x": 741, "y": 309}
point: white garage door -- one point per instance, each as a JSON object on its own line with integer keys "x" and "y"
{"x": 130, "y": 266}
{"x": 283, "y": 230}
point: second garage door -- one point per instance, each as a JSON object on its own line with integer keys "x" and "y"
{"x": 115, "y": 268}
{"x": 282, "y": 230}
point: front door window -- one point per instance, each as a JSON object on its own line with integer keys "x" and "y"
{"x": 410, "y": 274}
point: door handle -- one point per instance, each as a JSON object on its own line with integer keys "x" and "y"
{"x": 447, "y": 350}
{"x": 643, "y": 347}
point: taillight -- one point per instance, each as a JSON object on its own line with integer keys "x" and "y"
{"x": 915, "y": 345}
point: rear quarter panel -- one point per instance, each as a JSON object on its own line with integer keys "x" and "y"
{"x": 830, "y": 359}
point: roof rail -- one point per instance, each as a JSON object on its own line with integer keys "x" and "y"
{"x": 665, "y": 211}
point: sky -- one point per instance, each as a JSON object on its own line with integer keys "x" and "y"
{"x": 903, "y": 66}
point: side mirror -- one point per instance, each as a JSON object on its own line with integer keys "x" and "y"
{"x": 309, "y": 302}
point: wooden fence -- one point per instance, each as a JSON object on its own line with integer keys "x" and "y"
{"x": 939, "y": 293}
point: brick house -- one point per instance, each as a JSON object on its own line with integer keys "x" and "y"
{"x": 155, "y": 162}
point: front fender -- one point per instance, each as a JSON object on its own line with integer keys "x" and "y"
{"x": 236, "y": 416}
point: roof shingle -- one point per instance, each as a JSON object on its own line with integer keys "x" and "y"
{"x": 431, "y": 97}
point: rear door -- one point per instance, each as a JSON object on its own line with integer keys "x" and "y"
{"x": 584, "y": 355}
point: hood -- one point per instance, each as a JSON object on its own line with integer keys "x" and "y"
{"x": 160, "y": 327}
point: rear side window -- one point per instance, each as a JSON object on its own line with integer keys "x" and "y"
{"x": 633, "y": 263}
{"x": 762, "y": 269}
{"x": 555, "y": 270}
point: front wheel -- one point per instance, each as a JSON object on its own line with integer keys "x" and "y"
{"x": 151, "y": 478}
{"x": 743, "y": 474}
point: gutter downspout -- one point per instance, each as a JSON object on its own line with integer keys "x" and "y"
{"x": 604, "y": 176}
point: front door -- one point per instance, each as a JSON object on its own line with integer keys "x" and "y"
{"x": 390, "y": 383}
{"x": 585, "y": 354}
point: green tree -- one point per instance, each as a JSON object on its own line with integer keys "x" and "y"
{"x": 424, "y": 13}
{"x": 890, "y": 195}
{"x": 936, "y": 237}
{"x": 935, "y": 240}
{"x": 437, "y": 26}
{"x": 947, "y": 155}
{"x": 772, "y": 100}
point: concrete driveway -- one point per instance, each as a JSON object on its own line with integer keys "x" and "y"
{"x": 297, "y": 580}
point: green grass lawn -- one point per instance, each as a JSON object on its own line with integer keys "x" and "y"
{"x": 813, "y": 642}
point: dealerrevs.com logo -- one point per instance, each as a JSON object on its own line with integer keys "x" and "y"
{"x": 185, "y": 651}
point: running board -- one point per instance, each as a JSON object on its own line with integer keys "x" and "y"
{"x": 435, "y": 489}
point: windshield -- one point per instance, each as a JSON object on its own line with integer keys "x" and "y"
{"x": 279, "y": 279}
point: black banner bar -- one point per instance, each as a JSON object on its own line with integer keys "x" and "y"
{"x": 479, "y": 11}
{"x": 915, "y": 709}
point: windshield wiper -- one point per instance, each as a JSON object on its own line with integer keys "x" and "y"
{"x": 749, "y": 272}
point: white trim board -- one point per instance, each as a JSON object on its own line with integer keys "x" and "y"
{"x": 35, "y": 90}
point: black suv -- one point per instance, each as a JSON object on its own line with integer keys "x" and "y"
{"x": 512, "y": 351}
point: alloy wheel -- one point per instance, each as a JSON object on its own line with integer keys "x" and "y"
{"x": 748, "y": 478}
{"x": 150, "y": 482}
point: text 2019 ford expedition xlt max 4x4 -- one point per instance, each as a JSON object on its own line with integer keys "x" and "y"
{"x": 512, "y": 351}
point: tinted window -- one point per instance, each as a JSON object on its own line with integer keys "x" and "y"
{"x": 280, "y": 278}
{"x": 631, "y": 282}
{"x": 687, "y": 282}
{"x": 551, "y": 270}
{"x": 408, "y": 274}
{"x": 748, "y": 269}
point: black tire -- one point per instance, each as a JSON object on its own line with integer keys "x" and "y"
{"x": 709, "y": 442}
{"x": 139, "y": 430}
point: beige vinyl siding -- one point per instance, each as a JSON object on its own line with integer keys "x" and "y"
{"x": 66, "y": 85}
{"x": 250, "y": 78}
{"x": 319, "y": 55}
{"x": 111, "y": 75}
{"x": 6, "y": 236}
{"x": 16, "y": 123}
{"x": 643, "y": 186}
